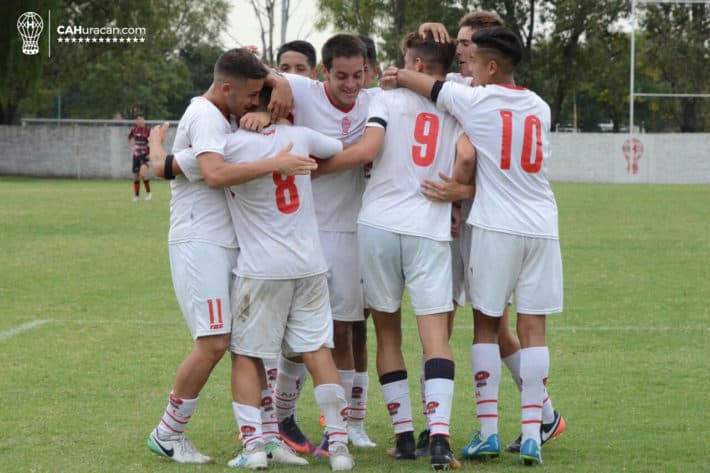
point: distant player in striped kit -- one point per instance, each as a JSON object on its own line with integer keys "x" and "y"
{"x": 515, "y": 244}
{"x": 138, "y": 142}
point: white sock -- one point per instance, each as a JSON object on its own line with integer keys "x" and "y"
{"x": 485, "y": 365}
{"x": 548, "y": 412}
{"x": 271, "y": 368}
{"x": 176, "y": 416}
{"x": 439, "y": 395}
{"x": 287, "y": 387}
{"x": 358, "y": 398}
{"x": 269, "y": 424}
{"x": 396, "y": 397}
{"x": 346, "y": 380}
{"x": 513, "y": 364}
{"x": 331, "y": 400}
{"x": 249, "y": 422}
{"x": 534, "y": 366}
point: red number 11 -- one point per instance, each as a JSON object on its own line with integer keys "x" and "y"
{"x": 532, "y": 125}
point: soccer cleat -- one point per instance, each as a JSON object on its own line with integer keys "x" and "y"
{"x": 552, "y": 430}
{"x": 358, "y": 436}
{"x": 292, "y": 435}
{"x": 547, "y": 432}
{"x": 441, "y": 456}
{"x": 279, "y": 452}
{"x": 148, "y": 197}
{"x": 530, "y": 453}
{"x": 179, "y": 449}
{"x": 321, "y": 451}
{"x": 340, "y": 458}
{"x": 252, "y": 459}
{"x": 404, "y": 448}
{"x": 479, "y": 448}
{"x": 422, "y": 449}
{"x": 136, "y": 199}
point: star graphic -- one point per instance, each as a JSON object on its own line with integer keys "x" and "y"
{"x": 115, "y": 40}
{"x": 121, "y": 40}
{"x": 142, "y": 40}
{"x": 93, "y": 39}
{"x": 60, "y": 39}
{"x": 73, "y": 39}
{"x": 81, "y": 40}
{"x": 101, "y": 39}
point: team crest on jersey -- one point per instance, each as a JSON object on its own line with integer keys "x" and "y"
{"x": 345, "y": 124}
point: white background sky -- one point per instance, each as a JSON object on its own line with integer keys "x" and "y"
{"x": 244, "y": 27}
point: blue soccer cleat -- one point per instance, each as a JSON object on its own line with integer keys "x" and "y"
{"x": 530, "y": 453}
{"x": 482, "y": 449}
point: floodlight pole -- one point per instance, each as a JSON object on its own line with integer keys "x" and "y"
{"x": 632, "y": 61}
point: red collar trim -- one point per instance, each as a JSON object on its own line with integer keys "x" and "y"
{"x": 510, "y": 86}
{"x": 225, "y": 115}
{"x": 344, "y": 110}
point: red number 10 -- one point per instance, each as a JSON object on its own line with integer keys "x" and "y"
{"x": 532, "y": 124}
{"x": 426, "y": 133}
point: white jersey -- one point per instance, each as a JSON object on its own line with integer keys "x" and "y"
{"x": 277, "y": 226}
{"x": 420, "y": 143}
{"x": 198, "y": 213}
{"x": 459, "y": 78}
{"x": 337, "y": 195}
{"x": 510, "y": 128}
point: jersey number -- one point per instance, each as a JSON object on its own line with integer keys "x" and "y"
{"x": 426, "y": 133}
{"x": 532, "y": 125}
{"x": 284, "y": 186}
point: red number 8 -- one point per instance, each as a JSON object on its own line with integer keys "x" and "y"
{"x": 283, "y": 186}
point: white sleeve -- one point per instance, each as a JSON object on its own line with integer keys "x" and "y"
{"x": 302, "y": 89}
{"x": 206, "y": 131}
{"x": 319, "y": 145}
{"x": 189, "y": 165}
{"x": 458, "y": 99}
{"x": 378, "y": 113}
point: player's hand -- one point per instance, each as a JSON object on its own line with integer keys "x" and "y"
{"x": 438, "y": 31}
{"x": 255, "y": 121}
{"x": 447, "y": 190}
{"x": 292, "y": 164}
{"x": 455, "y": 221}
{"x": 389, "y": 79}
{"x": 281, "y": 102}
{"x": 158, "y": 134}
{"x": 252, "y": 49}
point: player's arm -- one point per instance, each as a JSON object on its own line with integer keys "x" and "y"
{"x": 163, "y": 166}
{"x": 438, "y": 31}
{"x": 130, "y": 140}
{"x": 358, "y": 154}
{"x": 460, "y": 185}
{"x": 219, "y": 173}
{"x": 281, "y": 102}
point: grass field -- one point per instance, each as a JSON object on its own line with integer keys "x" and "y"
{"x": 83, "y": 385}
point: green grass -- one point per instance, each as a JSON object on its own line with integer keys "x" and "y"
{"x": 81, "y": 392}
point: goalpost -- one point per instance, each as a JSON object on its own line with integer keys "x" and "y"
{"x": 632, "y": 63}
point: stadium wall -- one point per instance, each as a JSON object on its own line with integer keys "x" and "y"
{"x": 86, "y": 151}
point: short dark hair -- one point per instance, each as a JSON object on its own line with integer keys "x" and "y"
{"x": 371, "y": 50}
{"x": 342, "y": 45}
{"x": 241, "y": 64}
{"x": 264, "y": 97}
{"x": 481, "y": 19}
{"x": 437, "y": 57}
{"x": 499, "y": 41}
{"x": 299, "y": 46}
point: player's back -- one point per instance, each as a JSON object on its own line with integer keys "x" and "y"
{"x": 510, "y": 128}
{"x": 420, "y": 143}
{"x": 274, "y": 214}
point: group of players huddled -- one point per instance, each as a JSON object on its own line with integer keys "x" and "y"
{"x": 301, "y": 207}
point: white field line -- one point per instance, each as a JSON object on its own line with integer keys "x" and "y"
{"x": 5, "y": 334}
{"x": 458, "y": 327}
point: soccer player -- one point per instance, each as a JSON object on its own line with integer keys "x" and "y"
{"x": 138, "y": 143}
{"x": 515, "y": 244}
{"x": 202, "y": 242}
{"x": 553, "y": 423}
{"x": 372, "y": 68}
{"x": 297, "y": 57}
{"x": 337, "y": 108}
{"x": 404, "y": 240}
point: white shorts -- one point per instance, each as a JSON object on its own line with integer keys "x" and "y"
{"x": 503, "y": 264}
{"x": 289, "y": 315}
{"x": 202, "y": 279}
{"x": 465, "y": 235}
{"x": 344, "y": 278}
{"x": 389, "y": 260}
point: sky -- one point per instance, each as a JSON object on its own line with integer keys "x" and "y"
{"x": 243, "y": 26}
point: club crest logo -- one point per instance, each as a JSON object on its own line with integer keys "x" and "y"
{"x": 30, "y": 26}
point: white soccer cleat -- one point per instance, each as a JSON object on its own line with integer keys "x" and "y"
{"x": 178, "y": 449}
{"x": 148, "y": 197}
{"x": 340, "y": 458}
{"x": 358, "y": 436}
{"x": 252, "y": 459}
{"x": 279, "y": 452}
{"x": 136, "y": 199}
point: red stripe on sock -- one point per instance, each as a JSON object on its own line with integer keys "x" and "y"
{"x": 532, "y": 406}
{"x": 487, "y": 416}
{"x": 358, "y": 409}
{"x": 402, "y": 422}
{"x": 486, "y": 401}
{"x": 439, "y": 423}
{"x": 171, "y": 428}
{"x": 176, "y": 420}
{"x": 251, "y": 439}
{"x": 532, "y": 422}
